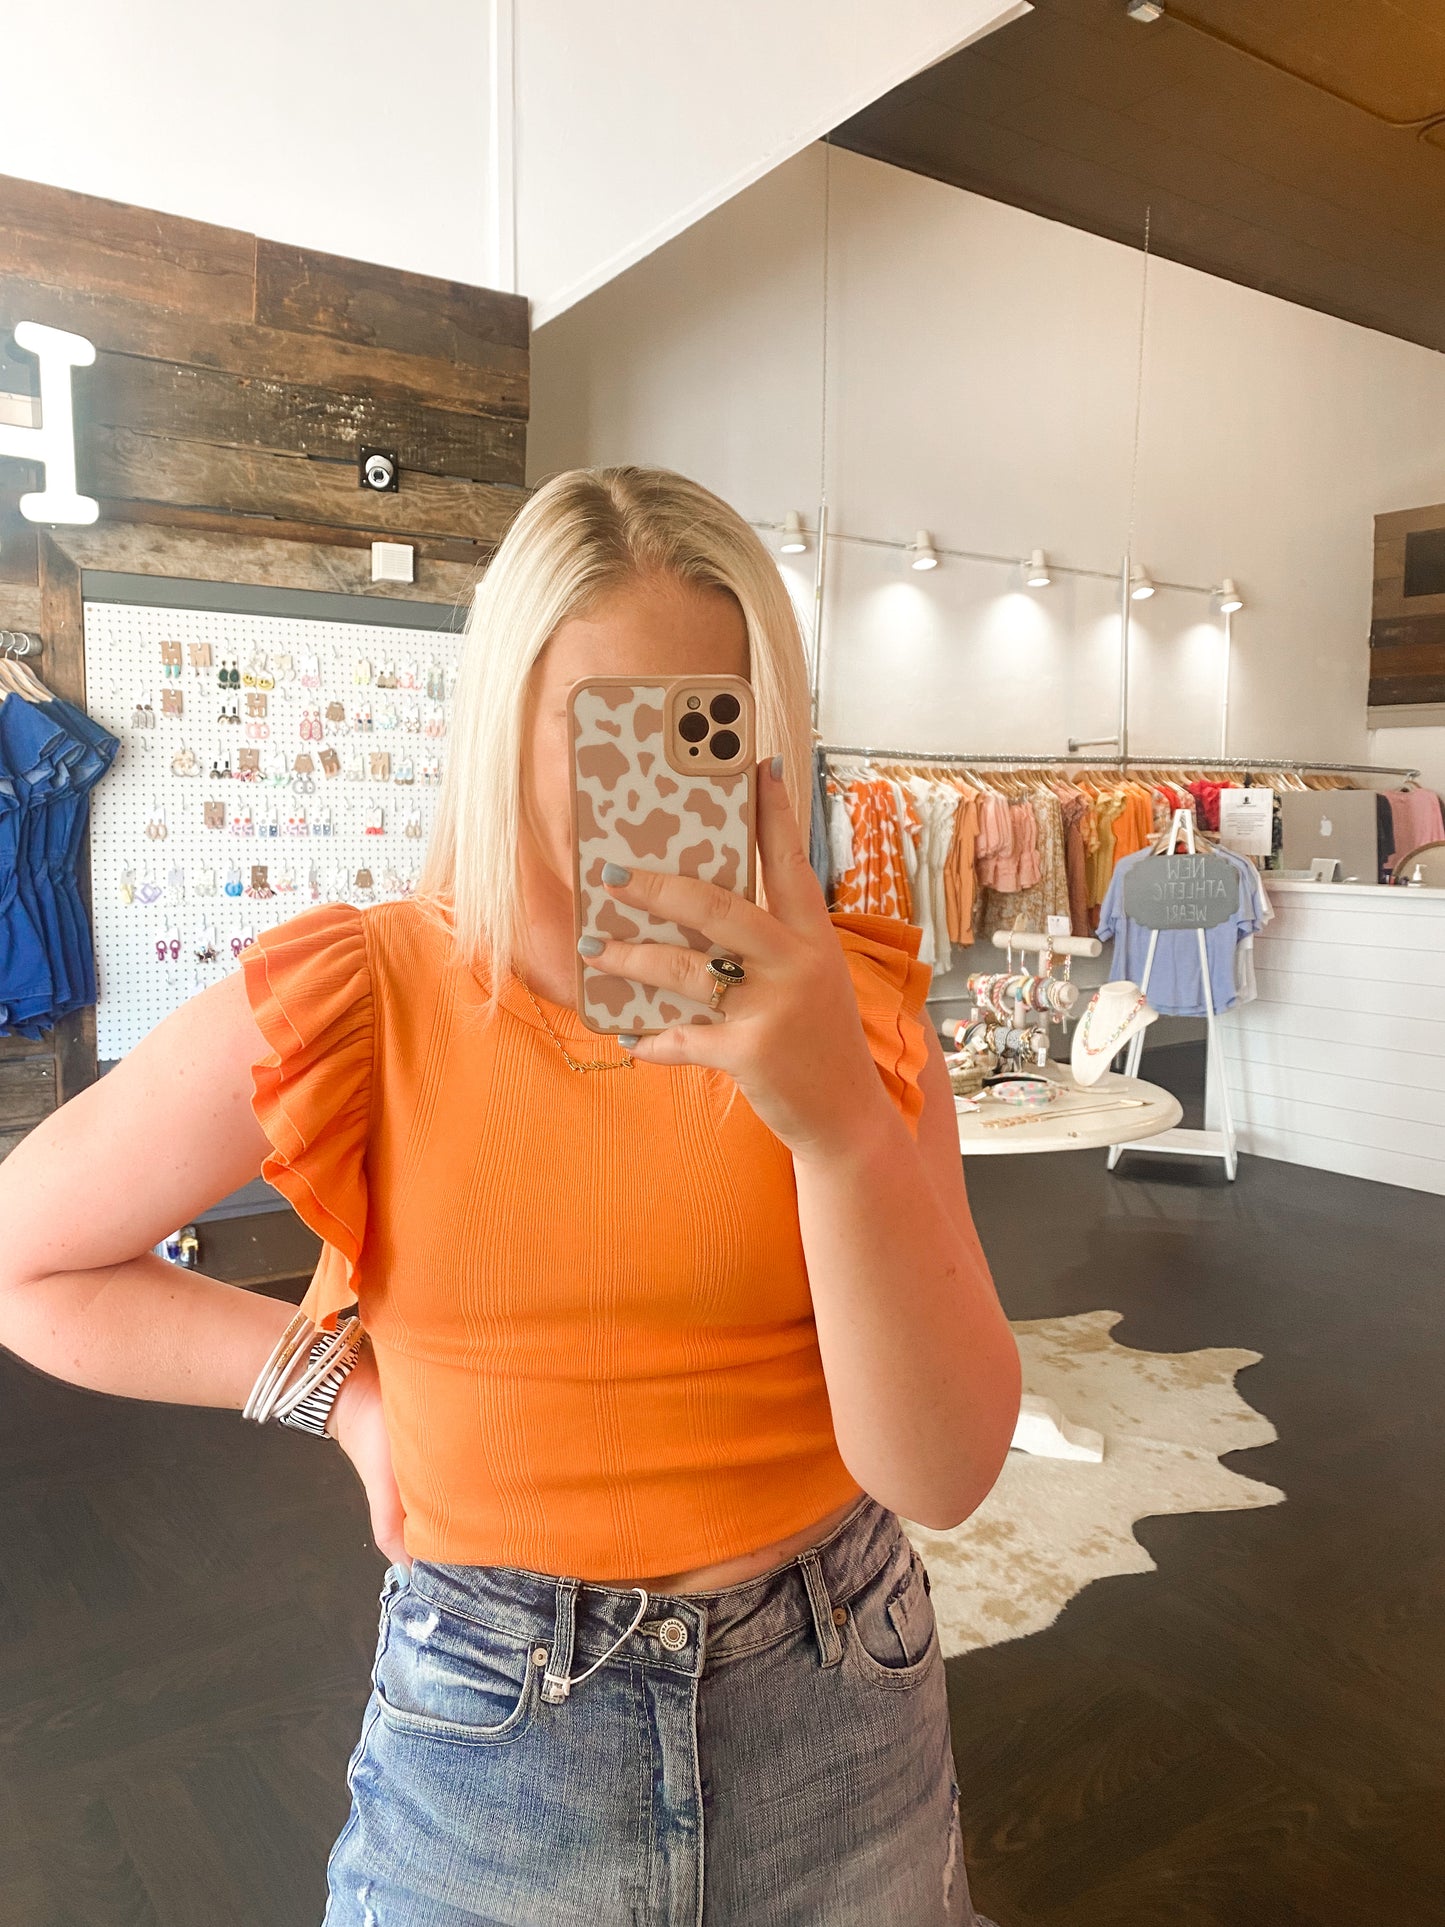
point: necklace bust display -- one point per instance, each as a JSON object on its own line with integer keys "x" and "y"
{"x": 1117, "y": 1011}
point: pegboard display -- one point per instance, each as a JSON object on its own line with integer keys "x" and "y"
{"x": 267, "y": 763}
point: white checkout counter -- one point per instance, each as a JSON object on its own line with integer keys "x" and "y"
{"x": 1340, "y": 1060}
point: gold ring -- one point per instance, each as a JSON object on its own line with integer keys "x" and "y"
{"x": 725, "y": 972}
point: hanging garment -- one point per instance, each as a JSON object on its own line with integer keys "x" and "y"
{"x": 1101, "y": 863}
{"x": 1415, "y": 819}
{"x": 1384, "y": 837}
{"x": 840, "y": 839}
{"x": 1176, "y": 983}
{"x": 910, "y": 829}
{"x": 818, "y": 821}
{"x": 916, "y": 789}
{"x": 936, "y": 804}
{"x": 960, "y": 880}
{"x": 994, "y": 838}
{"x": 1048, "y": 895}
{"x": 1244, "y": 978}
{"x": 876, "y": 882}
{"x": 51, "y": 756}
{"x": 1206, "y": 797}
{"x": 1075, "y": 807}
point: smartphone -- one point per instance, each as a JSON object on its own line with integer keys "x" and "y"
{"x": 662, "y": 776}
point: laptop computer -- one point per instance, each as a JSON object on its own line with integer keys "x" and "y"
{"x": 1338, "y": 823}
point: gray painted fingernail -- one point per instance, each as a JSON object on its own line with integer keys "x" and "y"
{"x": 614, "y": 873}
{"x": 589, "y": 946}
{"x": 776, "y": 766}
{"x": 628, "y": 1040}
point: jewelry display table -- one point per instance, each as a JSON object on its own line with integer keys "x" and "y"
{"x": 1077, "y": 1120}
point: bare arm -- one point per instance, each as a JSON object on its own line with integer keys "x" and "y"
{"x": 85, "y": 1196}
{"x": 923, "y": 1370}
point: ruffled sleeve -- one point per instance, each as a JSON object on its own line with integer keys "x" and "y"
{"x": 310, "y": 989}
{"x": 891, "y": 985}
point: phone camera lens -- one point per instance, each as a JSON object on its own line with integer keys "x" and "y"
{"x": 692, "y": 729}
{"x": 724, "y": 708}
{"x": 725, "y": 745}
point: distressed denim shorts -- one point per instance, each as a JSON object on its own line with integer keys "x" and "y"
{"x": 541, "y": 1751}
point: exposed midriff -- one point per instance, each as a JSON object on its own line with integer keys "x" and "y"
{"x": 733, "y": 1572}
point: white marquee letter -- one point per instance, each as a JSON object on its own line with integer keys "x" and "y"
{"x": 53, "y": 443}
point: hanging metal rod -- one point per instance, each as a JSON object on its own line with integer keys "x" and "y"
{"x": 993, "y": 758}
{"x": 987, "y": 555}
{"x": 1273, "y": 762}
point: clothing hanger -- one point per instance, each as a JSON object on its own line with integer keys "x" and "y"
{"x": 851, "y": 768}
{"x": 17, "y": 678}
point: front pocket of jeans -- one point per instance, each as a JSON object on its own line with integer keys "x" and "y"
{"x": 891, "y": 1633}
{"x": 446, "y": 1678}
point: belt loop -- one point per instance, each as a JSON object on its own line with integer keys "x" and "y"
{"x": 556, "y": 1682}
{"x": 825, "y": 1624}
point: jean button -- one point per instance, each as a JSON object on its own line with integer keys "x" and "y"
{"x": 673, "y": 1635}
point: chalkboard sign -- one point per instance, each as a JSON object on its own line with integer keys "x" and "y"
{"x": 1181, "y": 892}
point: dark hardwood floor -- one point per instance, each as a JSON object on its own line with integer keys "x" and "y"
{"x": 1252, "y": 1736}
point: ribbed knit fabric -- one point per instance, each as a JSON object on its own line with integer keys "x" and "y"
{"x": 586, "y": 1292}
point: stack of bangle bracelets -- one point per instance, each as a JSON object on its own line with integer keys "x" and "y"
{"x": 306, "y": 1403}
{"x": 1003, "y": 1003}
{"x": 1009, "y": 993}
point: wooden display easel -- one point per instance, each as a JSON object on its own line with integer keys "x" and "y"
{"x": 1180, "y": 1142}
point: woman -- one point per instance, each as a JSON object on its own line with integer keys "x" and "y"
{"x": 658, "y": 1342}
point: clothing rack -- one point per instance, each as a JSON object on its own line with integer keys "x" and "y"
{"x": 993, "y": 759}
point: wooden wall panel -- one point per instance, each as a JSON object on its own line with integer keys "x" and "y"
{"x": 412, "y": 314}
{"x": 125, "y": 466}
{"x": 63, "y": 240}
{"x": 242, "y": 348}
{"x": 166, "y": 399}
{"x": 271, "y": 558}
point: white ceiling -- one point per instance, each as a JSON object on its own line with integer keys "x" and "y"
{"x": 537, "y": 145}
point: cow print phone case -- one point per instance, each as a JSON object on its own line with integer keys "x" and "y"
{"x": 662, "y": 777}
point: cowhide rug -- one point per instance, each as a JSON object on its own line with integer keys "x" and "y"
{"x": 1050, "y": 1526}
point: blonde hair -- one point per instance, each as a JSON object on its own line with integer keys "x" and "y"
{"x": 583, "y": 533}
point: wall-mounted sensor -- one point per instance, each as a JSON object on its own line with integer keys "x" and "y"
{"x": 380, "y": 470}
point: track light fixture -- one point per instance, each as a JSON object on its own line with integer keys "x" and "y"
{"x": 795, "y": 539}
{"x": 921, "y": 548}
{"x": 1228, "y": 597}
{"x": 1144, "y": 9}
{"x": 1140, "y": 587}
{"x": 1036, "y": 570}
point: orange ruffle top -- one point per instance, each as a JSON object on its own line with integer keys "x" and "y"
{"x": 586, "y": 1292}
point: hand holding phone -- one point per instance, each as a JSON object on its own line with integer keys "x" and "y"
{"x": 661, "y": 775}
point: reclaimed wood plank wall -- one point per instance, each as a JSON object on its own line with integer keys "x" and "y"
{"x": 236, "y": 381}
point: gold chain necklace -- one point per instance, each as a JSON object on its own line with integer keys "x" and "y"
{"x": 597, "y": 1063}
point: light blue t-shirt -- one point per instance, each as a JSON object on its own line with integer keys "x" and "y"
{"x": 1176, "y": 987}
